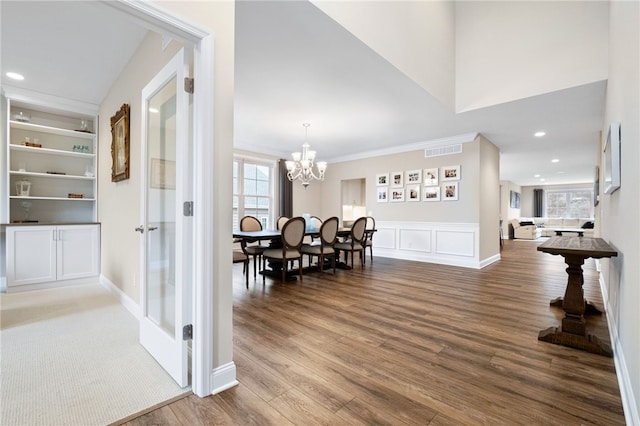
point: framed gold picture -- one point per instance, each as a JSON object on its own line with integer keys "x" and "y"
{"x": 120, "y": 144}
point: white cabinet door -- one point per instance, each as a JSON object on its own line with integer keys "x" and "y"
{"x": 31, "y": 254}
{"x": 78, "y": 251}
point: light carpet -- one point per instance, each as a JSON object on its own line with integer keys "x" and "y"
{"x": 70, "y": 356}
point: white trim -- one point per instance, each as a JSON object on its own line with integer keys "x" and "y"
{"x": 152, "y": 16}
{"x": 128, "y": 303}
{"x": 49, "y": 102}
{"x": 203, "y": 153}
{"x": 223, "y": 378}
{"x": 435, "y": 143}
{"x": 632, "y": 416}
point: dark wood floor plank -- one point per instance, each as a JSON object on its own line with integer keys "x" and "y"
{"x": 401, "y": 342}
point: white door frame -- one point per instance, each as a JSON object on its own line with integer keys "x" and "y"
{"x": 153, "y": 18}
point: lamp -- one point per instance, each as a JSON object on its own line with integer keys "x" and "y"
{"x": 301, "y": 167}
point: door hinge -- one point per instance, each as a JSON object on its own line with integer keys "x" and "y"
{"x": 187, "y": 208}
{"x": 188, "y": 85}
{"x": 187, "y": 332}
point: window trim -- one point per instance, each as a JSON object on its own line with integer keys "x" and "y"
{"x": 272, "y": 165}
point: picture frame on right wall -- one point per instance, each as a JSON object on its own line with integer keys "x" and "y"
{"x": 611, "y": 159}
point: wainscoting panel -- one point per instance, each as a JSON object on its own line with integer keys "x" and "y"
{"x": 385, "y": 238}
{"x": 415, "y": 239}
{"x": 446, "y": 243}
{"x": 454, "y": 242}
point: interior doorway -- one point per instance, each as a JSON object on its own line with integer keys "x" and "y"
{"x": 354, "y": 200}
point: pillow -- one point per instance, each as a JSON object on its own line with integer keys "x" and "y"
{"x": 527, "y": 222}
{"x": 588, "y": 225}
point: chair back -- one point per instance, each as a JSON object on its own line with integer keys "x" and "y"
{"x": 281, "y": 221}
{"x": 250, "y": 223}
{"x": 316, "y": 222}
{"x": 371, "y": 223}
{"x": 329, "y": 231}
{"x": 358, "y": 229}
{"x": 293, "y": 233}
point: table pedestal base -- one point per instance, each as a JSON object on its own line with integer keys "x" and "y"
{"x": 589, "y": 308}
{"x": 587, "y": 342}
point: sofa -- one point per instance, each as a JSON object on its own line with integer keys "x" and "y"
{"x": 536, "y": 227}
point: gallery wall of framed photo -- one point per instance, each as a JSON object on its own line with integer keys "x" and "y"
{"x": 419, "y": 185}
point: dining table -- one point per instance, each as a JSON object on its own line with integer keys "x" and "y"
{"x": 273, "y": 236}
{"x": 573, "y": 332}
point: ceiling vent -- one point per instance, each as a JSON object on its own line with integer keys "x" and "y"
{"x": 443, "y": 150}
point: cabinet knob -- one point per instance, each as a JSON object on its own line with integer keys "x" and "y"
{"x": 140, "y": 229}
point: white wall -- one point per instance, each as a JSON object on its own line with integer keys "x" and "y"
{"x": 620, "y": 211}
{"x": 516, "y": 49}
{"x": 424, "y": 29}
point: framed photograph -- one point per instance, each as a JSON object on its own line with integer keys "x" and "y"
{"x": 431, "y": 177}
{"x": 120, "y": 144}
{"x": 451, "y": 191}
{"x": 611, "y": 160}
{"x": 383, "y": 194}
{"x": 163, "y": 174}
{"x": 414, "y": 176}
{"x": 431, "y": 193}
{"x": 451, "y": 173}
{"x": 397, "y": 180}
{"x": 382, "y": 179}
{"x": 514, "y": 199}
{"x": 413, "y": 192}
{"x": 596, "y": 188}
{"x": 397, "y": 195}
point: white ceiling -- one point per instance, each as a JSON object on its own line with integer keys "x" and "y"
{"x": 295, "y": 65}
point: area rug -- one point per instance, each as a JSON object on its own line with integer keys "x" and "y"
{"x": 70, "y": 356}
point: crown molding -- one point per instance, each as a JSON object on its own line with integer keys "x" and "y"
{"x": 434, "y": 143}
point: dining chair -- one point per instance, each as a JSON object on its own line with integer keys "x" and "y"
{"x": 315, "y": 223}
{"x": 369, "y": 230}
{"x": 281, "y": 221}
{"x": 355, "y": 242}
{"x": 251, "y": 223}
{"x": 292, "y": 235}
{"x": 240, "y": 257}
{"x": 325, "y": 247}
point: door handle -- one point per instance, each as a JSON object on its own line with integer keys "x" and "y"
{"x": 152, "y": 228}
{"x": 140, "y": 229}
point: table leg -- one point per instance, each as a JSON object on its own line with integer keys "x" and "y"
{"x": 573, "y": 332}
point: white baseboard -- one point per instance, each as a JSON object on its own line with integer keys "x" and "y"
{"x": 223, "y": 378}
{"x": 631, "y": 410}
{"x": 125, "y": 300}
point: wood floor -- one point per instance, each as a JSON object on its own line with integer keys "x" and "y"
{"x": 403, "y": 342}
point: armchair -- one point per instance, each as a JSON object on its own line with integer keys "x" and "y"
{"x": 525, "y": 232}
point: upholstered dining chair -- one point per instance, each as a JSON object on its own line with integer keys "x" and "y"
{"x": 241, "y": 257}
{"x": 355, "y": 243}
{"x": 292, "y": 234}
{"x": 325, "y": 247}
{"x": 251, "y": 223}
{"x": 315, "y": 223}
{"x": 281, "y": 221}
{"x": 369, "y": 230}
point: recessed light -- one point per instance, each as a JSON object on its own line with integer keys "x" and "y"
{"x": 555, "y": 160}
{"x": 539, "y": 134}
{"x": 542, "y": 180}
{"x": 15, "y": 76}
{"x": 536, "y": 176}
{"x": 560, "y": 173}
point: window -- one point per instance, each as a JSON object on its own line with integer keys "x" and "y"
{"x": 570, "y": 203}
{"x": 252, "y": 191}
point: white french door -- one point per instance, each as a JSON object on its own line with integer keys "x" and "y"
{"x": 166, "y": 228}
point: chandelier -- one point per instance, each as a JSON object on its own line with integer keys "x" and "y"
{"x": 301, "y": 167}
